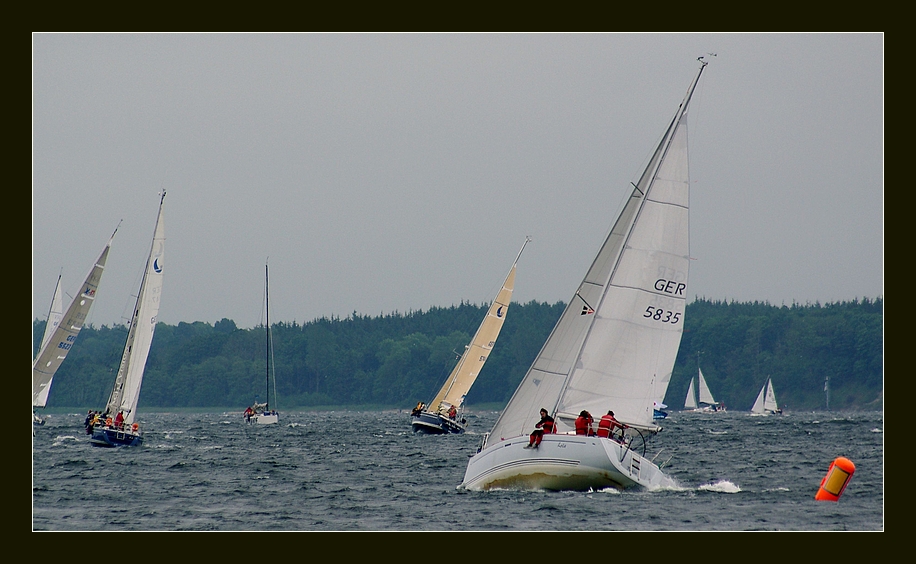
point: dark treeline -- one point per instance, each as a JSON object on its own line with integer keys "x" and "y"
{"x": 398, "y": 359}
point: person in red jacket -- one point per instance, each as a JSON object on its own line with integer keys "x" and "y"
{"x": 608, "y": 423}
{"x": 545, "y": 425}
{"x": 584, "y": 423}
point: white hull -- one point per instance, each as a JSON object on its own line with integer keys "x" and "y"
{"x": 562, "y": 462}
{"x": 705, "y": 410}
{"x": 266, "y": 418}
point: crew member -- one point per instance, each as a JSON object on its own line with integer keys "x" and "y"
{"x": 608, "y": 423}
{"x": 545, "y": 425}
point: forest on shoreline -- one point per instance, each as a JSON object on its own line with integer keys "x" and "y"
{"x": 392, "y": 361}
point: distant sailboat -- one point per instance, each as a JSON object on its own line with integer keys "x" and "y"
{"x": 613, "y": 347}
{"x": 62, "y": 329}
{"x": 53, "y": 320}
{"x": 441, "y": 415}
{"x": 118, "y": 426}
{"x": 261, "y": 413}
{"x": 766, "y": 401}
{"x": 706, "y": 402}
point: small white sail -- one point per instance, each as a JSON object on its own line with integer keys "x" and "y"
{"x": 769, "y": 402}
{"x": 705, "y": 394}
{"x": 58, "y": 344}
{"x": 766, "y": 399}
{"x": 758, "y": 403}
{"x": 54, "y": 314}
{"x": 691, "y": 401}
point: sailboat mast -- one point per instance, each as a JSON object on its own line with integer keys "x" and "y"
{"x": 267, "y": 315}
{"x": 827, "y": 391}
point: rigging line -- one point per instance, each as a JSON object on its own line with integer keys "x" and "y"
{"x": 578, "y": 295}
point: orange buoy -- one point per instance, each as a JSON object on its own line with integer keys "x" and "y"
{"x": 835, "y": 481}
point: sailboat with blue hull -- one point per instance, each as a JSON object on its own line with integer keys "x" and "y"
{"x": 613, "y": 348}
{"x": 441, "y": 416}
{"x": 118, "y": 425}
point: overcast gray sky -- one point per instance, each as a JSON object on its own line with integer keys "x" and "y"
{"x": 394, "y": 172}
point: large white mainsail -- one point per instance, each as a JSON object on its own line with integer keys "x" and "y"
{"x": 126, "y": 392}
{"x": 476, "y": 353}
{"x": 615, "y": 344}
{"x": 58, "y": 343}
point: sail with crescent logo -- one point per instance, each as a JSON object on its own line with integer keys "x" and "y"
{"x": 126, "y": 390}
{"x": 453, "y": 392}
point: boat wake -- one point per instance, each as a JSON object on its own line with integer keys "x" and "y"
{"x": 722, "y": 486}
{"x": 61, "y": 439}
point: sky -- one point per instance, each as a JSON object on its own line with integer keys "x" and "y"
{"x": 390, "y": 173}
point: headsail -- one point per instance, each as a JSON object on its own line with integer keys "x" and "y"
{"x": 615, "y": 343}
{"x": 476, "y": 353}
{"x": 690, "y": 402}
{"x": 57, "y": 345}
{"x": 126, "y": 392}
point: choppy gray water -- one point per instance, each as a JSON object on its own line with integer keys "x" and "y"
{"x": 367, "y": 471}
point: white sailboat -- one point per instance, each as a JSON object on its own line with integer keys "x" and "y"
{"x": 705, "y": 403}
{"x": 440, "y": 416}
{"x": 613, "y": 347}
{"x": 766, "y": 401}
{"x": 53, "y": 320}
{"x": 118, "y": 425}
{"x": 261, "y": 413}
{"x": 62, "y": 329}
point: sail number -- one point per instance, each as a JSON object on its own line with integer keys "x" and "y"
{"x": 659, "y": 314}
{"x": 66, "y": 344}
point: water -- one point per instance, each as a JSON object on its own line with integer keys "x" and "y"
{"x": 367, "y": 471}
